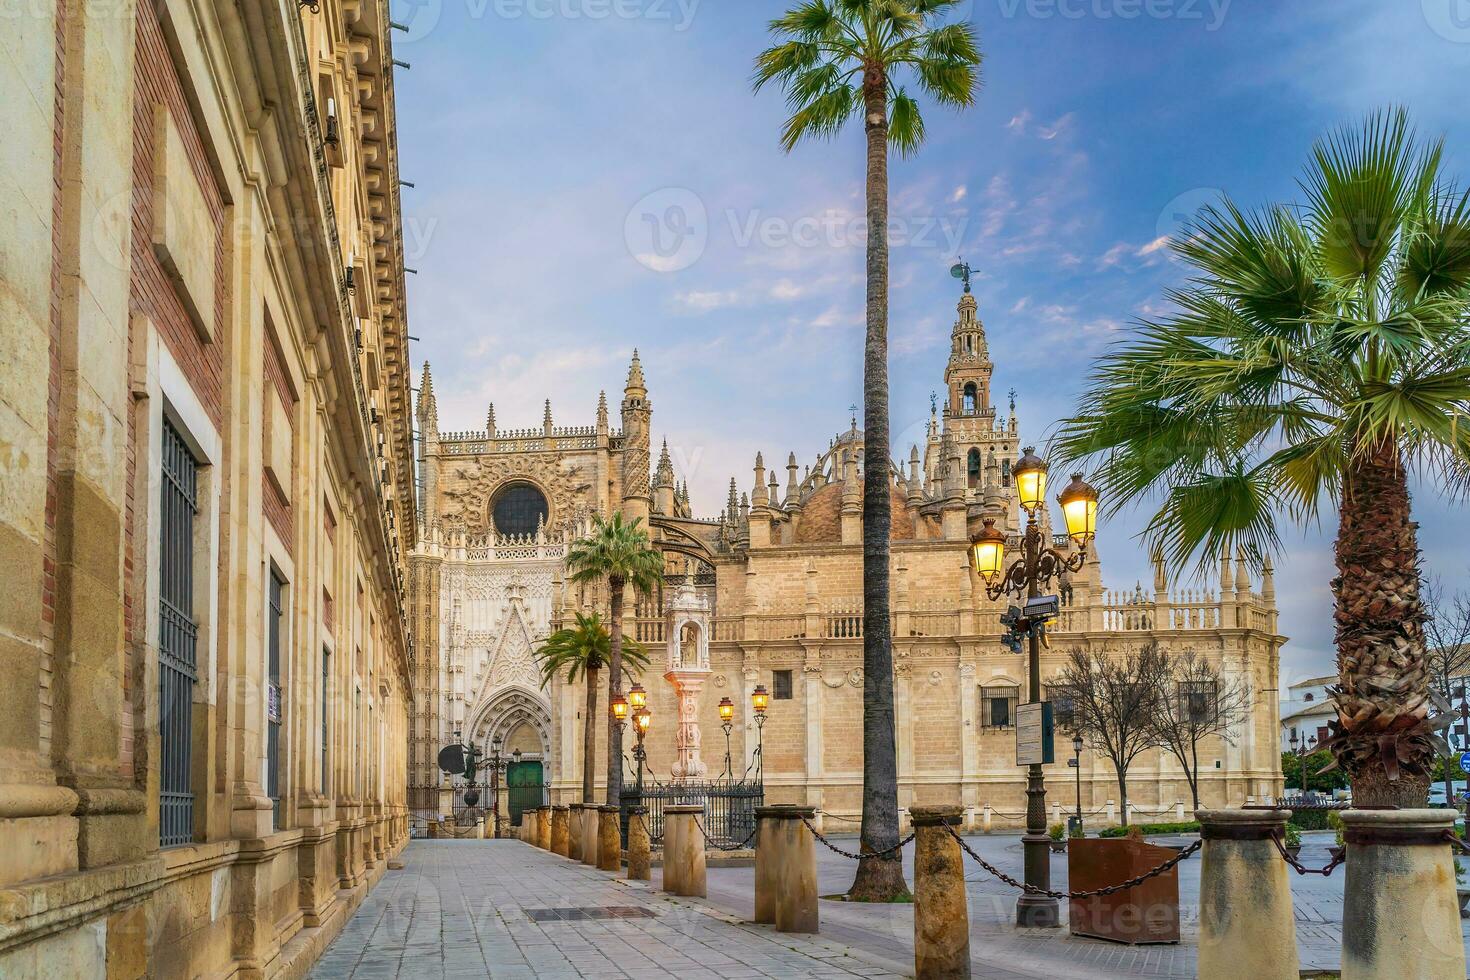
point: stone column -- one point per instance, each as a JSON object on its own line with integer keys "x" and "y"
{"x": 589, "y": 834}
{"x": 560, "y": 841}
{"x": 1400, "y": 914}
{"x": 941, "y": 910}
{"x": 1247, "y": 927}
{"x": 543, "y": 828}
{"x": 574, "y": 832}
{"x": 770, "y": 857}
{"x": 686, "y": 858}
{"x": 796, "y": 882}
{"x": 640, "y": 860}
{"x": 609, "y": 840}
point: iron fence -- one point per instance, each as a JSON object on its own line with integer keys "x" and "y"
{"x": 729, "y": 807}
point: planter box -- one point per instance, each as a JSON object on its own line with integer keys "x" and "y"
{"x": 1058, "y": 846}
{"x": 1145, "y": 913}
{"x": 1333, "y": 852}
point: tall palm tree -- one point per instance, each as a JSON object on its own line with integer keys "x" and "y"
{"x": 583, "y": 650}
{"x": 836, "y": 60}
{"x": 621, "y": 553}
{"x": 1318, "y": 355}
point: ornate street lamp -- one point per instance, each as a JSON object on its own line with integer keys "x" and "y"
{"x": 1025, "y": 578}
{"x": 727, "y": 722}
{"x": 620, "y": 710}
{"x": 760, "y": 700}
{"x": 497, "y": 767}
{"x": 1302, "y": 747}
{"x": 642, "y": 719}
{"x": 637, "y": 698}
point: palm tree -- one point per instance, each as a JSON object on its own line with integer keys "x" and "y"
{"x": 579, "y": 650}
{"x": 835, "y": 60}
{"x": 621, "y": 553}
{"x": 1316, "y": 357}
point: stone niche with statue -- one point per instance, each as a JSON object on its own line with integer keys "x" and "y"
{"x": 687, "y": 620}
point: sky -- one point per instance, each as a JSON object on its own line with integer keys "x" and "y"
{"x": 594, "y": 176}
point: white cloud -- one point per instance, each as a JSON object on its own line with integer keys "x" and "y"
{"x": 704, "y": 301}
{"x": 960, "y": 193}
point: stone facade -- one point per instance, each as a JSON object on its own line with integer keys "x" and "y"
{"x": 779, "y": 571}
{"x": 204, "y": 426}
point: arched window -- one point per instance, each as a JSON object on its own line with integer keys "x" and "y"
{"x": 974, "y": 468}
{"x": 970, "y": 398}
{"x": 518, "y": 508}
{"x": 1005, "y": 472}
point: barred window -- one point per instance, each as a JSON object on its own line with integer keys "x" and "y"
{"x": 781, "y": 685}
{"x": 998, "y": 706}
{"x": 178, "y": 635}
{"x": 1063, "y": 698}
{"x": 326, "y": 720}
{"x": 1197, "y": 701}
{"x": 274, "y": 696}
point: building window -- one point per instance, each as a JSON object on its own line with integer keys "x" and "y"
{"x": 1005, "y": 472}
{"x": 1063, "y": 701}
{"x": 970, "y": 399}
{"x": 973, "y": 468}
{"x": 326, "y": 721}
{"x": 178, "y": 635}
{"x": 274, "y": 696}
{"x": 781, "y": 685}
{"x": 518, "y": 509}
{"x": 998, "y": 706}
{"x": 1197, "y": 702}
{"x": 1309, "y": 697}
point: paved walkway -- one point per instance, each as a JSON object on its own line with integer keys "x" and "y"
{"x": 506, "y": 909}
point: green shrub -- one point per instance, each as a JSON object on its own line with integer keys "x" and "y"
{"x": 1335, "y": 822}
{"x": 1293, "y": 835}
{"x": 1149, "y": 829}
{"x": 1057, "y": 831}
{"x": 1311, "y": 819}
{"x": 1077, "y": 832}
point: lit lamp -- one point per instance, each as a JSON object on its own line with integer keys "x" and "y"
{"x": 1079, "y": 510}
{"x": 727, "y": 722}
{"x": 760, "y": 700}
{"x": 1030, "y": 475}
{"x": 620, "y": 709}
{"x": 988, "y": 551}
{"x": 637, "y": 699}
{"x": 642, "y": 720}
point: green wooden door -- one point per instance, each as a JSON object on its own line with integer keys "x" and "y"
{"x": 524, "y": 782}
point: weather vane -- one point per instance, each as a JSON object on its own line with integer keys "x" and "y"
{"x": 962, "y": 270}
{"x": 1012, "y": 394}
{"x": 933, "y": 403}
{"x": 853, "y": 410}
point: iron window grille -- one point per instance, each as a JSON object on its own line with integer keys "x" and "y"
{"x": 998, "y": 706}
{"x": 178, "y": 636}
{"x": 1197, "y": 701}
{"x": 1063, "y": 701}
{"x": 781, "y": 685}
{"x": 273, "y": 698}
{"x": 326, "y": 721}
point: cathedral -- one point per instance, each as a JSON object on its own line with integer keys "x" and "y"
{"x": 767, "y": 593}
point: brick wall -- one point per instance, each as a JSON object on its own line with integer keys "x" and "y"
{"x": 278, "y": 386}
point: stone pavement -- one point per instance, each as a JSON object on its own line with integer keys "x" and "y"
{"x": 505, "y": 909}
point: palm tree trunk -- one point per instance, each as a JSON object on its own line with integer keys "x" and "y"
{"x": 589, "y": 738}
{"x": 878, "y": 879}
{"x": 614, "y": 688}
{"x": 1383, "y": 681}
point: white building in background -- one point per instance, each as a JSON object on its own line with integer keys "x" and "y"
{"x": 1306, "y": 711}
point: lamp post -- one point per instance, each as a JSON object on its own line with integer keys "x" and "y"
{"x": 497, "y": 767}
{"x": 1302, "y": 747}
{"x": 727, "y": 722}
{"x": 1077, "y": 764}
{"x": 642, "y": 719}
{"x": 1036, "y": 567}
{"x": 760, "y": 700}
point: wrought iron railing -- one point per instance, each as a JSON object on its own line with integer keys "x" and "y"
{"x": 729, "y": 807}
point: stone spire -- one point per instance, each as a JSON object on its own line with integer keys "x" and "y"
{"x": 637, "y": 421}
{"x": 758, "y": 497}
{"x": 635, "y": 384}
{"x": 665, "y": 491}
{"x": 428, "y": 405}
{"x": 1242, "y": 572}
{"x": 664, "y": 474}
{"x": 1268, "y": 580}
{"x": 602, "y": 413}
{"x": 490, "y": 421}
{"x": 793, "y": 491}
{"x": 546, "y": 418}
{"x": 732, "y": 506}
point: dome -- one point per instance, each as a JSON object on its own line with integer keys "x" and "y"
{"x": 821, "y": 517}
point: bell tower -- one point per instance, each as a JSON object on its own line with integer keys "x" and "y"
{"x": 967, "y": 375}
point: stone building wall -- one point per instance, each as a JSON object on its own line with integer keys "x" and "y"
{"x": 193, "y": 400}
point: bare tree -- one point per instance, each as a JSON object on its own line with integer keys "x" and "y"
{"x": 1447, "y": 642}
{"x": 1114, "y": 699}
{"x": 1194, "y": 702}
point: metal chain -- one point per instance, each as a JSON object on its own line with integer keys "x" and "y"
{"x": 832, "y": 816}
{"x": 849, "y": 854}
{"x": 1109, "y": 890}
{"x": 1454, "y": 840}
{"x": 723, "y": 847}
{"x": 1302, "y": 869}
{"x": 651, "y": 838}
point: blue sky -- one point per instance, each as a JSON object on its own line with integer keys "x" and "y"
{"x": 544, "y": 136}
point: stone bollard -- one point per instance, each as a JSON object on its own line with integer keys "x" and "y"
{"x": 796, "y": 881}
{"x": 770, "y": 858}
{"x": 589, "y": 834}
{"x": 609, "y": 840}
{"x": 941, "y": 911}
{"x": 543, "y": 829}
{"x": 640, "y": 858}
{"x": 1400, "y": 915}
{"x": 560, "y": 844}
{"x": 685, "y": 859}
{"x": 574, "y": 832}
{"x": 1247, "y": 927}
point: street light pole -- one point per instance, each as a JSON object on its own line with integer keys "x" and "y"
{"x": 1038, "y": 565}
{"x": 1077, "y": 764}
